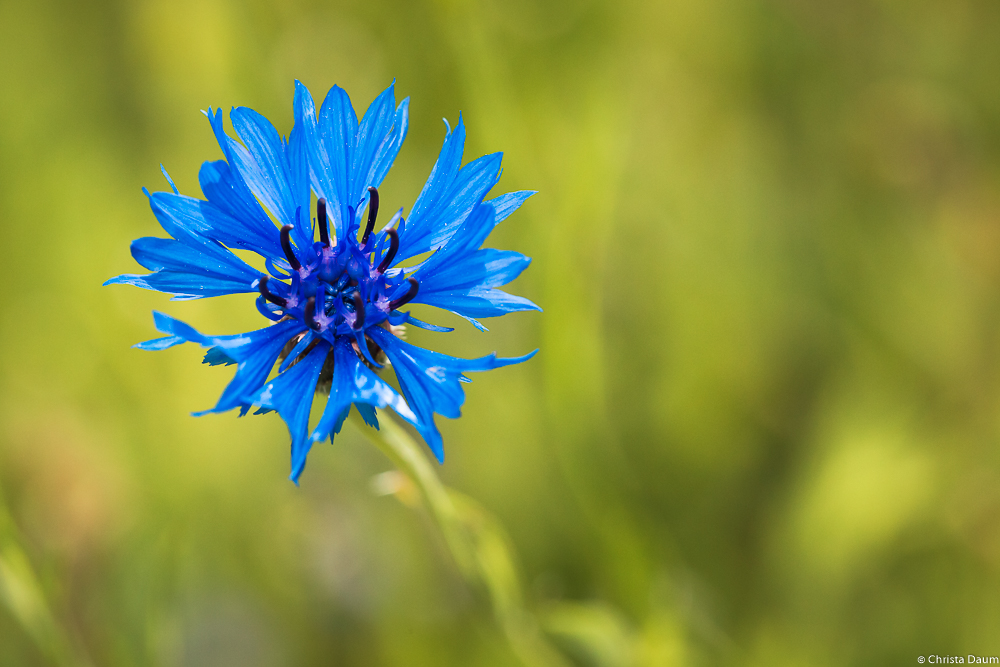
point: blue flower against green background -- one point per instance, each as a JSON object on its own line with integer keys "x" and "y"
{"x": 335, "y": 302}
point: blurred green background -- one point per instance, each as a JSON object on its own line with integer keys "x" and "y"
{"x": 763, "y": 426}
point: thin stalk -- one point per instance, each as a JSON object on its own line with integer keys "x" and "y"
{"x": 475, "y": 539}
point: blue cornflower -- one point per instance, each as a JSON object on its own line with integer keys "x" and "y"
{"x": 335, "y": 302}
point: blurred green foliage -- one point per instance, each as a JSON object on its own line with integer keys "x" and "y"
{"x": 764, "y": 427}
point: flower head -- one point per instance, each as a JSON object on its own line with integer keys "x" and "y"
{"x": 333, "y": 286}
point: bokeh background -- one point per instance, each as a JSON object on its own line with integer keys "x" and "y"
{"x": 764, "y": 425}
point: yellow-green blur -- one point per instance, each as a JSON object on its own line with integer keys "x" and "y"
{"x": 763, "y": 429}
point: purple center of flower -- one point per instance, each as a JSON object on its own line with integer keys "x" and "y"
{"x": 342, "y": 285}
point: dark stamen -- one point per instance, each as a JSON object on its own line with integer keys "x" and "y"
{"x": 308, "y": 312}
{"x": 286, "y": 245}
{"x": 359, "y": 311}
{"x": 393, "y": 247}
{"x": 406, "y": 298}
{"x": 324, "y": 228}
{"x": 273, "y": 298}
{"x": 372, "y": 213}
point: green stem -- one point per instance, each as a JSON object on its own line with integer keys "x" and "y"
{"x": 405, "y": 454}
{"x": 475, "y": 539}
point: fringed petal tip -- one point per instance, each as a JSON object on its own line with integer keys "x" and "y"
{"x": 509, "y": 361}
{"x": 160, "y": 343}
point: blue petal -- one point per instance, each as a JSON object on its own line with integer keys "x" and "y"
{"x": 476, "y": 323}
{"x": 237, "y": 157}
{"x": 359, "y": 339}
{"x": 291, "y": 394}
{"x": 372, "y": 131}
{"x": 371, "y": 166}
{"x": 376, "y": 145}
{"x": 466, "y": 239}
{"x": 263, "y": 168}
{"x": 482, "y": 268}
{"x": 160, "y": 343}
{"x": 216, "y": 356}
{"x": 237, "y": 346}
{"x": 167, "y": 254}
{"x": 350, "y": 156}
{"x": 368, "y": 413}
{"x": 306, "y": 131}
{"x": 431, "y": 381}
{"x": 338, "y": 129}
{"x": 448, "y": 197}
{"x": 170, "y": 181}
{"x": 410, "y": 319}
{"x": 200, "y": 225}
{"x": 250, "y": 228}
{"x": 302, "y": 142}
{"x": 195, "y": 264}
{"x": 466, "y": 192}
{"x": 506, "y": 204}
{"x": 478, "y": 302}
{"x": 156, "y": 253}
{"x": 459, "y": 278}
{"x": 445, "y": 170}
{"x": 267, "y": 171}
{"x": 184, "y": 284}
{"x": 464, "y": 242}
{"x": 353, "y": 382}
{"x": 318, "y": 157}
{"x": 254, "y": 351}
{"x": 254, "y": 367}
{"x": 299, "y": 348}
{"x": 389, "y": 149}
